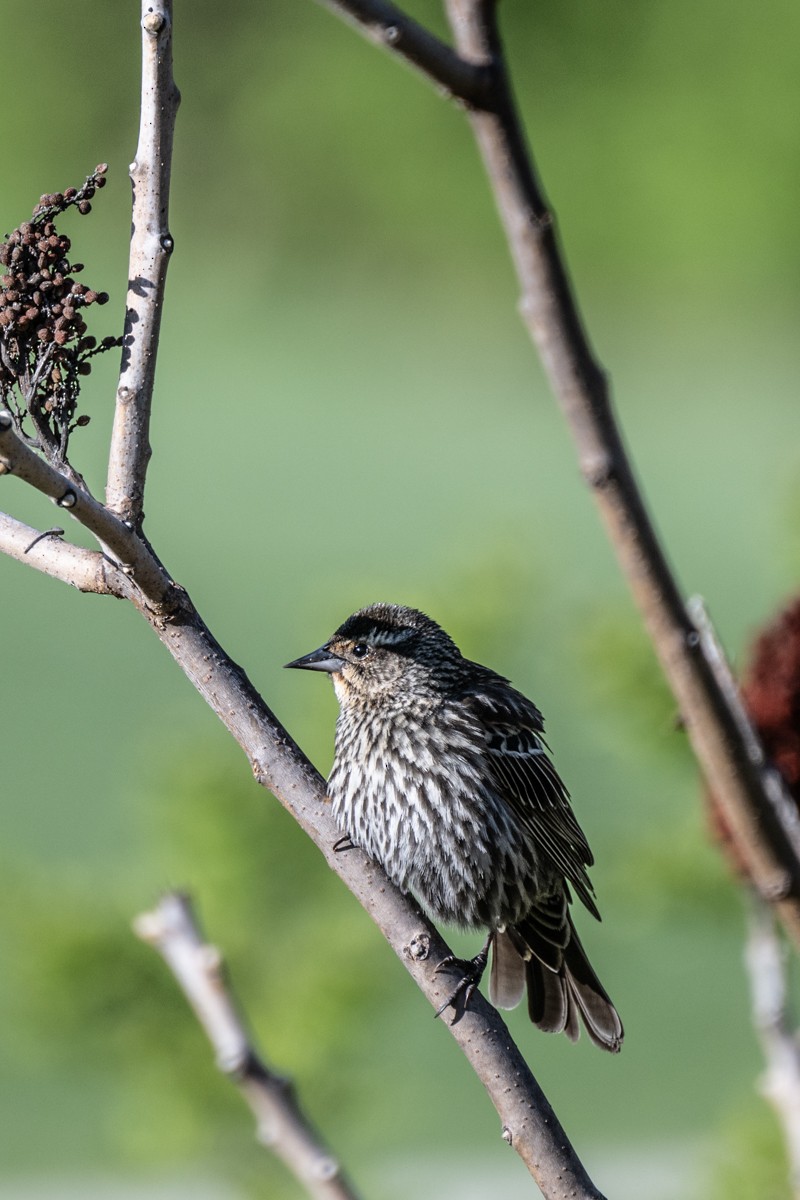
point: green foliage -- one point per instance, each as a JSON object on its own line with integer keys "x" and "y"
{"x": 623, "y": 679}
{"x": 750, "y": 1160}
{"x": 677, "y": 876}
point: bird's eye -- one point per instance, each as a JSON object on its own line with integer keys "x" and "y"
{"x": 361, "y": 650}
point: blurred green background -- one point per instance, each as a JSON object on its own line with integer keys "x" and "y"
{"x": 348, "y": 409}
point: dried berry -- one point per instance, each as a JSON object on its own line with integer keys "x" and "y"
{"x": 43, "y": 335}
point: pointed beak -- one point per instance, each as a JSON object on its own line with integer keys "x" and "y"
{"x": 318, "y": 660}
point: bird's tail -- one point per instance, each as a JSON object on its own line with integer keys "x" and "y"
{"x": 563, "y": 989}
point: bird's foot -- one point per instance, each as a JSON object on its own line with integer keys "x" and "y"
{"x": 472, "y": 970}
{"x": 345, "y": 842}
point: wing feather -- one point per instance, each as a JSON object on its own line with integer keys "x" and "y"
{"x": 518, "y": 758}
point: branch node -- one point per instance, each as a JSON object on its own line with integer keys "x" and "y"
{"x": 153, "y": 23}
{"x": 6, "y": 420}
{"x": 418, "y": 948}
{"x": 167, "y": 243}
{"x": 507, "y": 1135}
{"x": 600, "y": 470}
{"x": 232, "y": 1062}
{"x": 68, "y": 500}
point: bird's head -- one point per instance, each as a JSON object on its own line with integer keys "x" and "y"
{"x": 385, "y": 650}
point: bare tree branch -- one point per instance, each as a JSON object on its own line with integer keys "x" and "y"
{"x": 151, "y": 247}
{"x": 768, "y": 842}
{"x": 172, "y": 929}
{"x": 765, "y": 958}
{"x": 87, "y": 570}
{"x": 387, "y": 25}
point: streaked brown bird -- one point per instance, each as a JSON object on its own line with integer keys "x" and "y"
{"x": 442, "y": 775}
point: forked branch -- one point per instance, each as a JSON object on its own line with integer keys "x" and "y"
{"x": 133, "y": 556}
{"x": 387, "y": 25}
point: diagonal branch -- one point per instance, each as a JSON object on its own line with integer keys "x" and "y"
{"x": 281, "y": 1124}
{"x": 768, "y": 842}
{"x": 151, "y": 247}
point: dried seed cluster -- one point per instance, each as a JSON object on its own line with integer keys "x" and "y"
{"x": 44, "y": 345}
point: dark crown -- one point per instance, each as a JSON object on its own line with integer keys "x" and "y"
{"x": 393, "y": 626}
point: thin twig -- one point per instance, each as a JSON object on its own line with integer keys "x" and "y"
{"x": 765, "y": 958}
{"x": 388, "y": 26}
{"x": 151, "y": 247}
{"x": 87, "y": 570}
{"x": 281, "y": 1125}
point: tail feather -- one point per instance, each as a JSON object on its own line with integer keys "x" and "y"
{"x": 551, "y": 1006}
{"x": 599, "y": 1015}
{"x": 507, "y": 977}
{"x": 562, "y": 991}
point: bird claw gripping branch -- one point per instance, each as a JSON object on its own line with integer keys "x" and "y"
{"x": 472, "y": 971}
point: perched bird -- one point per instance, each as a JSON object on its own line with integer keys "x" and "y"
{"x": 442, "y": 775}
